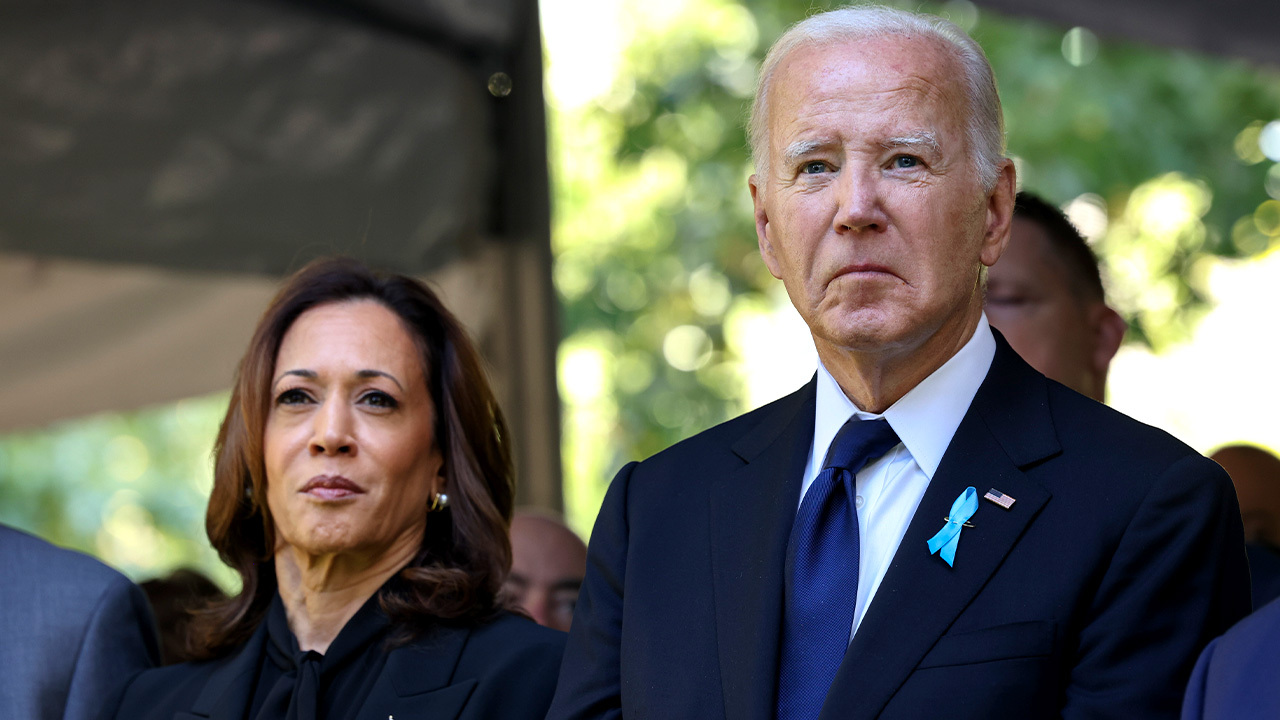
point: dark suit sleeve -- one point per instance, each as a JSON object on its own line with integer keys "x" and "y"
{"x": 590, "y": 677}
{"x": 119, "y": 641}
{"x": 1177, "y": 580}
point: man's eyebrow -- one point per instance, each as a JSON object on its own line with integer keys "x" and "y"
{"x": 800, "y": 148}
{"x": 925, "y": 140}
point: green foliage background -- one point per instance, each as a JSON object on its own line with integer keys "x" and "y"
{"x": 656, "y": 261}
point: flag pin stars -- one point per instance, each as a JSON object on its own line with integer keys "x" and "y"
{"x": 999, "y": 498}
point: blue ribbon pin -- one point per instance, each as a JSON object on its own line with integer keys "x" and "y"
{"x": 949, "y": 536}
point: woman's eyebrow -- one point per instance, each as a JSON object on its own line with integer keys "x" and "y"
{"x": 312, "y": 375}
{"x": 308, "y": 374}
{"x": 379, "y": 373}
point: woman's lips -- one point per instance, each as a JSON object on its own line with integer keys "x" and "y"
{"x": 331, "y": 487}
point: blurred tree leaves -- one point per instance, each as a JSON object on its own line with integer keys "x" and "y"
{"x": 129, "y": 488}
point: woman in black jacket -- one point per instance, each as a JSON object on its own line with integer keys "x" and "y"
{"x": 363, "y": 490}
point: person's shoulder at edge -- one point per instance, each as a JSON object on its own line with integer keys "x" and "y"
{"x": 113, "y": 629}
{"x": 1234, "y": 676}
{"x": 73, "y": 578}
{"x": 79, "y": 572}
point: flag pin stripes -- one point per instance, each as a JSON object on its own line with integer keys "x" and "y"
{"x": 999, "y": 498}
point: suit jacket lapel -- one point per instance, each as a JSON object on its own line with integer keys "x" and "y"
{"x": 226, "y": 695}
{"x": 1007, "y": 427}
{"x": 415, "y": 682}
{"x": 752, "y": 510}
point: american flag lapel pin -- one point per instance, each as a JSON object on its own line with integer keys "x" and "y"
{"x": 999, "y": 498}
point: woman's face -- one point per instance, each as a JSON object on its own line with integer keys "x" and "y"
{"x": 350, "y": 453}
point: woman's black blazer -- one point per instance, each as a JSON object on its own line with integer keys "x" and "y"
{"x": 504, "y": 670}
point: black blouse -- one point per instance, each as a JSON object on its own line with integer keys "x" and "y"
{"x": 304, "y": 685}
{"x": 501, "y": 669}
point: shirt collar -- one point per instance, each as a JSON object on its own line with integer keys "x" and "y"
{"x": 926, "y": 417}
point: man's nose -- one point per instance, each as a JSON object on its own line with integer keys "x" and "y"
{"x": 537, "y": 604}
{"x": 331, "y": 434}
{"x": 859, "y": 195}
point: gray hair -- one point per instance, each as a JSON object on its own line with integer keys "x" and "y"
{"x": 986, "y": 120}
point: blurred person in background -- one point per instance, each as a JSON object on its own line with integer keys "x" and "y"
{"x": 363, "y": 489}
{"x": 1045, "y": 296}
{"x": 548, "y": 561}
{"x": 172, "y": 599}
{"x": 1256, "y": 475}
{"x": 72, "y": 631}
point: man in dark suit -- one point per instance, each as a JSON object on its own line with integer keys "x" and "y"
{"x": 929, "y": 528}
{"x": 73, "y": 630}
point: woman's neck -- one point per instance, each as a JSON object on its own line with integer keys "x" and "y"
{"x": 322, "y": 592}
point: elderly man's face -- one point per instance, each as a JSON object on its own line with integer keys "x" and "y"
{"x": 872, "y": 213}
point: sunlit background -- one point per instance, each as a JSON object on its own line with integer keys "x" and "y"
{"x": 1168, "y": 162}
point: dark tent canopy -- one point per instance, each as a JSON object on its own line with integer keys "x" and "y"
{"x": 163, "y": 164}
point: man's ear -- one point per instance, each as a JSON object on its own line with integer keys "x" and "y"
{"x": 762, "y": 226}
{"x": 1108, "y": 333}
{"x": 999, "y": 214}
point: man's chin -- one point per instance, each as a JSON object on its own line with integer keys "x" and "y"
{"x": 869, "y": 336}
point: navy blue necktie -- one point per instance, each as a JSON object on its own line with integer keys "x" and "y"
{"x": 822, "y": 571}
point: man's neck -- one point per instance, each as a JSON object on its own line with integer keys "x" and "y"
{"x": 873, "y": 381}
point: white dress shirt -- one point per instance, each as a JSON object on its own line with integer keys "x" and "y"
{"x": 890, "y": 488}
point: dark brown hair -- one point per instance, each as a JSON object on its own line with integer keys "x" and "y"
{"x": 1067, "y": 244}
{"x": 465, "y": 555}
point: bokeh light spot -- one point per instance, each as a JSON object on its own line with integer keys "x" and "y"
{"x": 1267, "y": 218}
{"x": 626, "y": 290}
{"x": 1269, "y": 140}
{"x": 961, "y": 12}
{"x": 1079, "y": 46}
{"x": 1246, "y": 143}
{"x": 1247, "y": 238}
{"x": 126, "y": 458}
{"x": 584, "y": 369}
{"x": 500, "y": 84}
{"x": 709, "y": 291}
{"x": 687, "y": 347}
{"x": 1088, "y": 213}
{"x": 1272, "y": 183}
